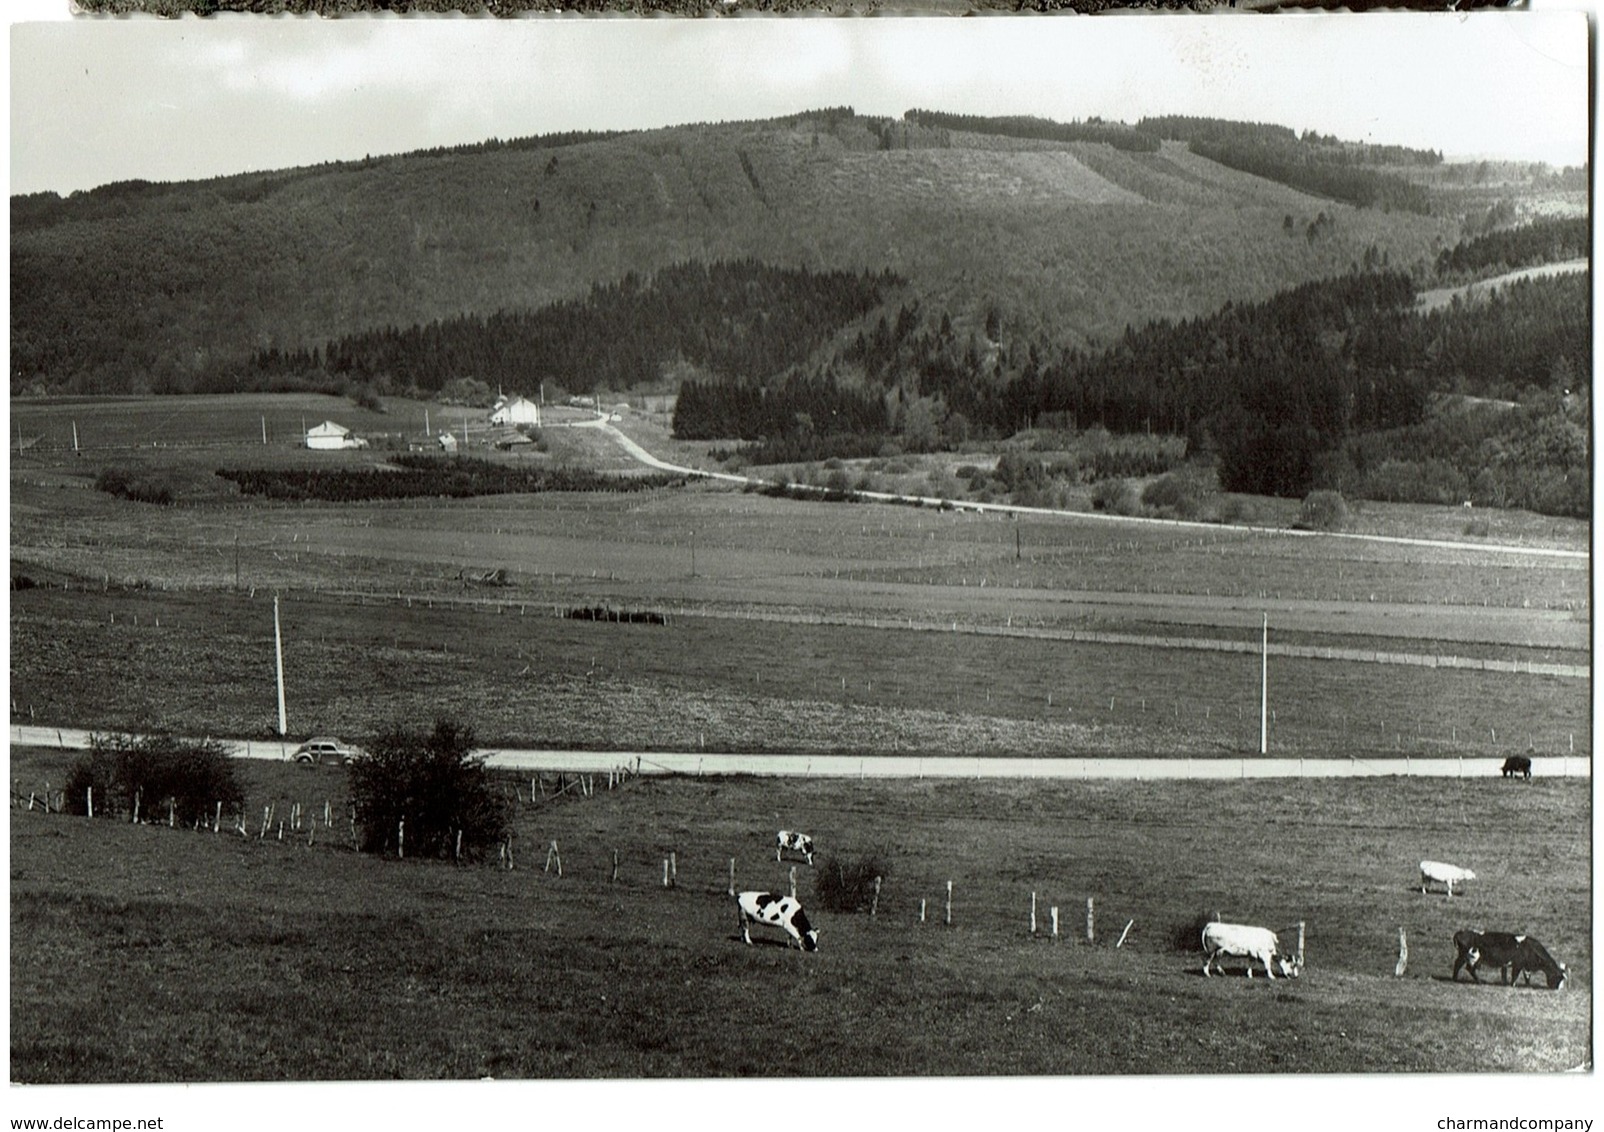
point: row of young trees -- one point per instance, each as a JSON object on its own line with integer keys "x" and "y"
{"x": 1116, "y": 134}
{"x": 425, "y": 477}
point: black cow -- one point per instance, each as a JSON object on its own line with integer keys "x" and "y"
{"x": 1517, "y": 766}
{"x": 1532, "y": 956}
{"x": 1513, "y": 955}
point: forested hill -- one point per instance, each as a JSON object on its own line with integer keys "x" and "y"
{"x": 1060, "y": 234}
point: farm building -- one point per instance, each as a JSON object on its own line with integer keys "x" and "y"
{"x": 329, "y": 435}
{"x": 447, "y": 441}
{"x": 515, "y": 411}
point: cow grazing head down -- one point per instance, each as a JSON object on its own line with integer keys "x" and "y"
{"x": 1513, "y": 956}
{"x": 783, "y": 912}
{"x": 1250, "y": 943}
{"x": 795, "y": 842}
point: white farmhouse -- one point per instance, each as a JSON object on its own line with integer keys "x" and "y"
{"x": 515, "y": 411}
{"x": 329, "y": 435}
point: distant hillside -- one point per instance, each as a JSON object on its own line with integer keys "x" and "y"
{"x": 174, "y": 287}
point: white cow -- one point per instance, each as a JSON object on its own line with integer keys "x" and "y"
{"x": 796, "y": 842}
{"x": 1248, "y": 942}
{"x": 784, "y": 912}
{"x": 1441, "y": 873}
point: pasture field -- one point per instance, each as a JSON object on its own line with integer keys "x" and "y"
{"x": 793, "y": 625}
{"x": 142, "y": 953}
{"x": 202, "y": 663}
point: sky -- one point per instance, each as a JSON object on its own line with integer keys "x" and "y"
{"x": 99, "y": 100}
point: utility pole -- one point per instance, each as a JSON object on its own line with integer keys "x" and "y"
{"x": 278, "y": 650}
{"x": 1264, "y": 689}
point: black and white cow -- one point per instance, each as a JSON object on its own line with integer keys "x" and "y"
{"x": 1517, "y": 766}
{"x": 795, "y": 842}
{"x": 1513, "y": 956}
{"x": 783, "y": 912}
{"x": 1248, "y": 942}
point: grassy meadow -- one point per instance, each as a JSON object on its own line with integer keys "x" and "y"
{"x": 173, "y": 955}
{"x": 142, "y": 953}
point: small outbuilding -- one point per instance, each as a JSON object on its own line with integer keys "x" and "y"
{"x": 448, "y": 442}
{"x": 328, "y": 436}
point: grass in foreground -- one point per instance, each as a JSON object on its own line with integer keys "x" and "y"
{"x": 146, "y": 954}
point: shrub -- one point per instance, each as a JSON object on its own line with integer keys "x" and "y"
{"x": 432, "y": 781}
{"x": 1235, "y": 509}
{"x": 1174, "y": 496}
{"x": 192, "y": 777}
{"x": 1115, "y": 496}
{"x": 1324, "y": 511}
{"x": 847, "y": 884}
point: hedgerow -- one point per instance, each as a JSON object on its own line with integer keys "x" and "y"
{"x": 428, "y": 476}
{"x": 181, "y": 779}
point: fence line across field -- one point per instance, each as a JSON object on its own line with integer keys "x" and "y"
{"x": 936, "y": 766}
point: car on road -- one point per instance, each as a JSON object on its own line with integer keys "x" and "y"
{"x": 325, "y": 750}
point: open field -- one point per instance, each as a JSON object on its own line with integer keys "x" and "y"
{"x": 147, "y": 954}
{"x": 528, "y": 679}
{"x": 154, "y": 954}
{"x": 793, "y": 625}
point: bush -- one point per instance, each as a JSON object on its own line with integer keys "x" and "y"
{"x": 1115, "y": 496}
{"x": 1174, "y": 496}
{"x": 1235, "y": 509}
{"x": 847, "y": 885}
{"x": 162, "y": 770}
{"x": 432, "y": 781}
{"x": 1324, "y": 511}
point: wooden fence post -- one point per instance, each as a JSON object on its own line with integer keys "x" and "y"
{"x": 665, "y": 872}
{"x": 949, "y": 903}
{"x": 874, "y": 905}
{"x": 89, "y": 800}
{"x": 1300, "y": 944}
{"x": 401, "y": 838}
{"x": 732, "y": 876}
{"x": 673, "y": 869}
{"x": 137, "y": 794}
{"x": 793, "y": 882}
{"x": 457, "y": 853}
{"x": 1403, "y": 955}
{"x": 217, "y": 819}
{"x": 921, "y": 910}
{"x": 615, "y": 867}
{"x": 1091, "y": 922}
{"x": 1054, "y": 913}
{"x": 172, "y": 815}
{"x": 1032, "y": 913}
{"x": 1124, "y": 933}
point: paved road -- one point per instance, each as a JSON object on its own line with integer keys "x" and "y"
{"x": 645, "y": 457}
{"x": 910, "y": 766}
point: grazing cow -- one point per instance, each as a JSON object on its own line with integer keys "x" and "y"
{"x": 1513, "y": 955}
{"x": 784, "y": 912}
{"x": 1250, "y": 943}
{"x": 795, "y": 842}
{"x": 1441, "y": 873}
{"x": 1532, "y": 956}
{"x": 1517, "y": 766}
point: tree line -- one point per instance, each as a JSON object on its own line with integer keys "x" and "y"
{"x": 727, "y": 318}
{"x": 1116, "y": 134}
{"x": 425, "y": 477}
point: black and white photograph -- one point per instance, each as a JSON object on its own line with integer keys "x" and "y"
{"x": 786, "y": 571}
